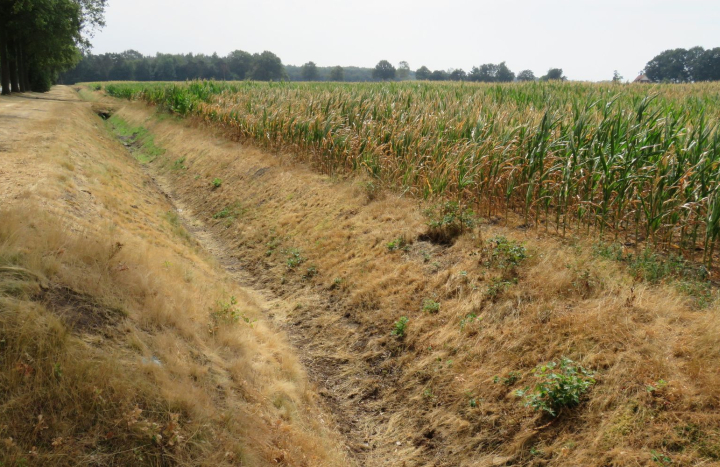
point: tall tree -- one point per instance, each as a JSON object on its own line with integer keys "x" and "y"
{"x": 554, "y": 74}
{"x": 239, "y": 63}
{"x": 337, "y": 74}
{"x": 458, "y": 74}
{"x": 403, "y": 70}
{"x": 267, "y": 67}
{"x": 526, "y": 75}
{"x": 310, "y": 71}
{"x": 422, "y": 73}
{"x": 384, "y": 71}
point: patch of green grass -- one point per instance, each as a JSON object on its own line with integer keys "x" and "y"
{"x": 137, "y": 139}
{"x": 231, "y": 213}
{"x": 398, "y": 244}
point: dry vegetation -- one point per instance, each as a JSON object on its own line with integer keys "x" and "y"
{"x": 483, "y": 311}
{"x": 122, "y": 342}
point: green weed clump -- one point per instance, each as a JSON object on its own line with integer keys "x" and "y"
{"x": 400, "y": 327}
{"x": 559, "y": 385}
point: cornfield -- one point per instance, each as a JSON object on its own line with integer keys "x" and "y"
{"x": 640, "y": 163}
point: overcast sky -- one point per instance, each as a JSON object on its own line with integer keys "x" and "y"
{"x": 587, "y": 39}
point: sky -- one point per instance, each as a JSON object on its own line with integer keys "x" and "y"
{"x": 587, "y": 39}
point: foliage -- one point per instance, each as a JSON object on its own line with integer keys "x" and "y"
{"x": 554, "y": 74}
{"x": 430, "y": 306}
{"x": 384, "y": 71}
{"x": 447, "y": 221}
{"x": 337, "y": 74}
{"x": 558, "y": 385}
{"x": 217, "y": 183}
{"x": 398, "y": 244}
{"x": 294, "y": 258}
{"x": 422, "y": 73}
{"x": 310, "y": 71}
{"x": 400, "y": 327}
{"x": 505, "y": 253}
{"x": 568, "y": 155}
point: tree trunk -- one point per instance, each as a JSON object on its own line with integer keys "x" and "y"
{"x": 4, "y": 64}
{"x": 14, "y": 81}
{"x": 22, "y": 69}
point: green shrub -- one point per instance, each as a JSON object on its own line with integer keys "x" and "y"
{"x": 400, "y": 327}
{"x": 504, "y": 253}
{"x": 294, "y": 258}
{"x": 559, "y": 385}
{"x": 216, "y": 183}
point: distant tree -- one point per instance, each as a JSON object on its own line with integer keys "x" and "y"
{"x": 267, "y": 67}
{"x": 165, "y": 68}
{"x": 310, "y": 71}
{"x": 503, "y": 74}
{"x": 438, "y": 75}
{"x": 457, "y": 74}
{"x": 121, "y": 71}
{"x": 526, "y": 75}
{"x": 554, "y": 74}
{"x": 239, "y": 63}
{"x": 670, "y": 65}
{"x": 486, "y": 73}
{"x": 143, "y": 72}
{"x": 707, "y": 66}
{"x": 617, "y": 77}
{"x": 337, "y": 74}
{"x": 384, "y": 71}
{"x": 422, "y": 73}
{"x": 403, "y": 70}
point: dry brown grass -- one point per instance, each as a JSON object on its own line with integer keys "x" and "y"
{"x": 408, "y": 402}
{"x": 115, "y": 346}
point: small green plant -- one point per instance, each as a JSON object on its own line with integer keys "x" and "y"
{"x": 398, "y": 244}
{"x": 310, "y": 273}
{"x": 504, "y": 253}
{"x": 660, "y": 458}
{"x": 226, "y": 312}
{"x": 512, "y": 378}
{"x": 656, "y": 386}
{"x": 499, "y": 285}
{"x": 430, "y": 306}
{"x": 294, "y": 258}
{"x": 559, "y": 385}
{"x": 448, "y": 221}
{"x": 179, "y": 164}
{"x": 400, "y": 327}
{"x": 217, "y": 183}
{"x": 469, "y": 318}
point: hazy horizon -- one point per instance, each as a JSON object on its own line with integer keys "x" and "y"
{"x": 588, "y": 40}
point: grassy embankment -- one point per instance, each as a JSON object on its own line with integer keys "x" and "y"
{"x": 485, "y": 306}
{"x": 121, "y": 341}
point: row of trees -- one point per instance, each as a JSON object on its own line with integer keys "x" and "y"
{"x": 133, "y": 66}
{"x": 239, "y": 65}
{"x": 685, "y": 66}
{"x": 41, "y": 38}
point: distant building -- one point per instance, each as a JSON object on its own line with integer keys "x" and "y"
{"x": 642, "y": 79}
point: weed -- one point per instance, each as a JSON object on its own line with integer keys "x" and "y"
{"x": 499, "y": 285}
{"x": 430, "y": 306}
{"x": 512, "y": 378}
{"x": 448, "y": 221}
{"x": 294, "y": 258}
{"x": 400, "y": 327}
{"x": 660, "y": 458}
{"x": 216, "y": 183}
{"x": 656, "y": 386}
{"x": 398, "y": 244}
{"x": 469, "y": 318}
{"x": 179, "y": 164}
{"x": 504, "y": 253}
{"x": 559, "y": 385}
{"x": 310, "y": 273}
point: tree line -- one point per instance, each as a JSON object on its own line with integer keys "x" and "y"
{"x": 239, "y": 65}
{"x": 41, "y": 38}
{"x": 685, "y": 66}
